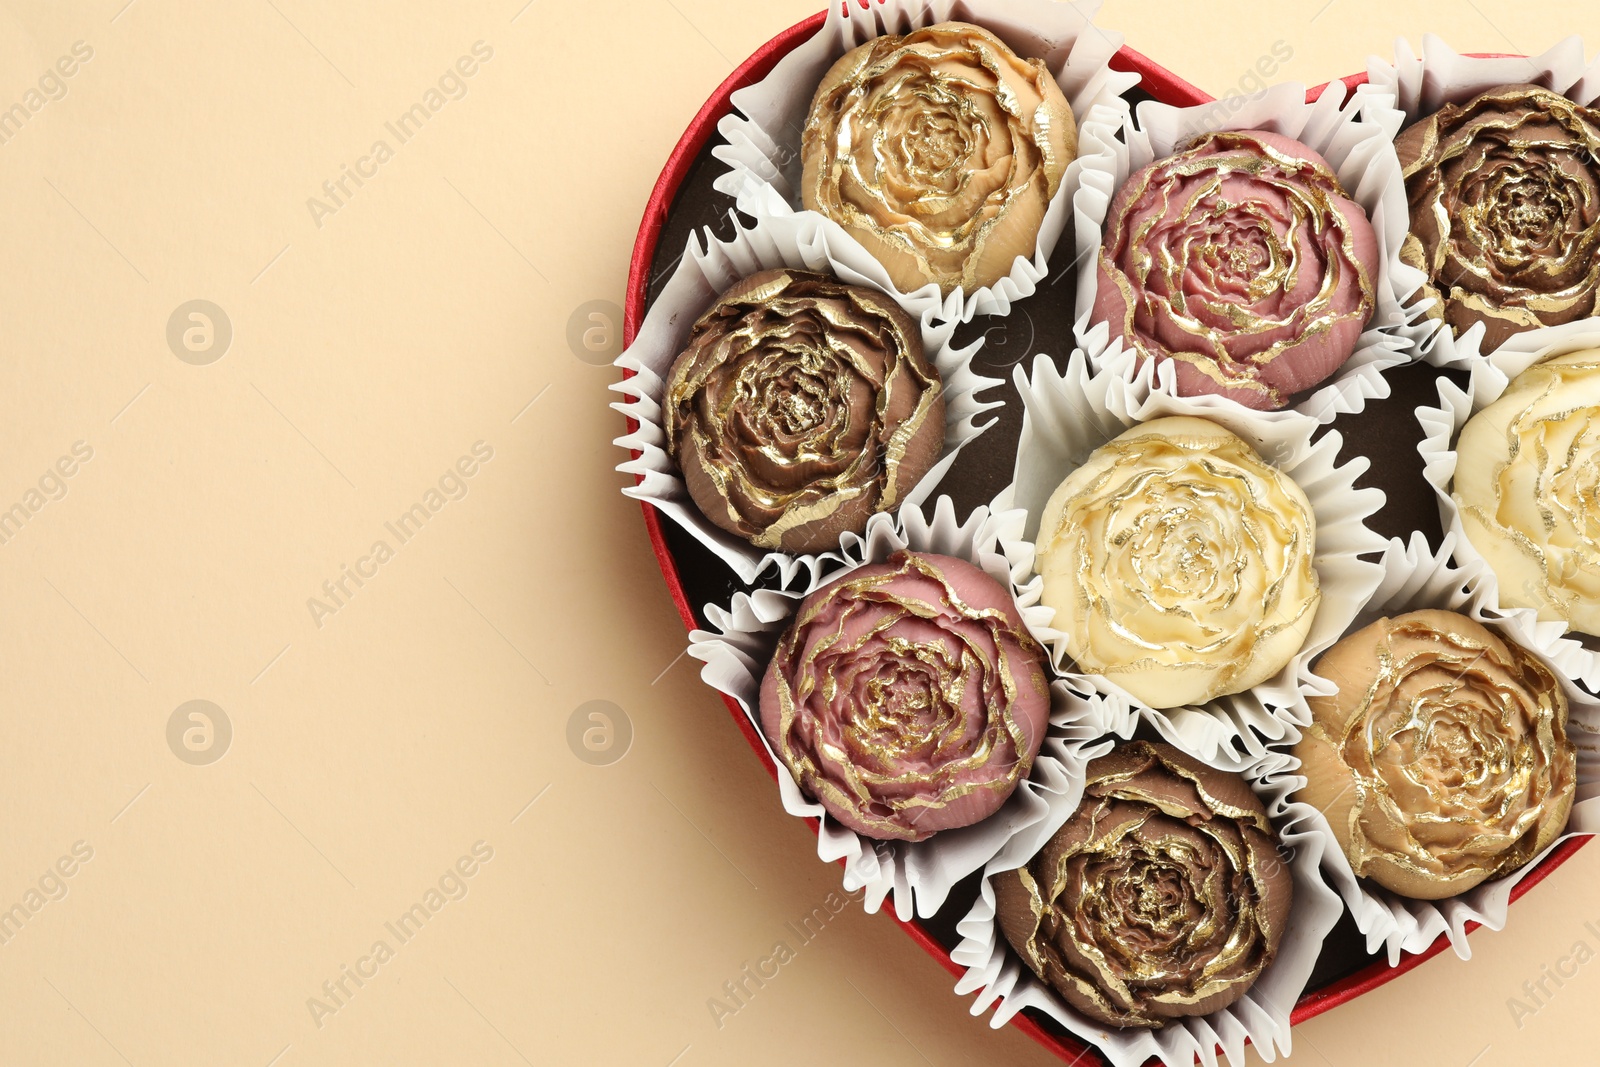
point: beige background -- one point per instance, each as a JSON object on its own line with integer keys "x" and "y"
{"x": 369, "y": 753}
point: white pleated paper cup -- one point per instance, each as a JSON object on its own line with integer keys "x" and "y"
{"x": 1261, "y": 1017}
{"x": 739, "y": 645}
{"x": 1355, "y": 136}
{"x": 764, "y": 128}
{"x": 1419, "y": 84}
{"x": 1488, "y": 379}
{"x": 1069, "y": 413}
{"x": 709, "y": 266}
{"x": 1416, "y": 576}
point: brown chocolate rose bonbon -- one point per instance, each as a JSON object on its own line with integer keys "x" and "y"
{"x": 907, "y": 697}
{"x": 939, "y": 151}
{"x": 1162, "y": 897}
{"x": 1505, "y": 210}
{"x": 1443, "y": 759}
{"x": 799, "y": 407}
{"x": 1243, "y": 262}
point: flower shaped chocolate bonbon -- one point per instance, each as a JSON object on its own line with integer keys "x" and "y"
{"x": 800, "y": 407}
{"x": 1162, "y": 897}
{"x": 1179, "y": 564}
{"x": 1527, "y": 484}
{"x": 939, "y": 151}
{"x": 1442, "y": 760}
{"x": 907, "y": 697}
{"x": 1505, "y": 210}
{"x": 1241, "y": 260}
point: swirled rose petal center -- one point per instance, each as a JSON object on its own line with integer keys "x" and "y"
{"x": 1179, "y": 548}
{"x": 796, "y": 402}
{"x": 1239, "y": 258}
{"x": 924, "y": 153}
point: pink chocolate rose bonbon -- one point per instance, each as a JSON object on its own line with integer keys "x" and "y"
{"x": 1242, "y": 260}
{"x": 907, "y": 697}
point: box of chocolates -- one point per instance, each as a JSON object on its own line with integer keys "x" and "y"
{"x": 1155, "y": 543}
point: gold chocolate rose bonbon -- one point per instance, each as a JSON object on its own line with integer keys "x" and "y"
{"x": 1179, "y": 563}
{"x": 939, "y": 151}
{"x": 1442, "y": 760}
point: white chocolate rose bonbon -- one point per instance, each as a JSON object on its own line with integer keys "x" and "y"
{"x": 1179, "y": 563}
{"x": 1527, "y": 485}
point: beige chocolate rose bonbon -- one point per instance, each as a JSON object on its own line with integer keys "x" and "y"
{"x": 939, "y": 151}
{"x": 1443, "y": 759}
{"x": 1179, "y": 563}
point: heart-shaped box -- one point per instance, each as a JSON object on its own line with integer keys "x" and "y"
{"x": 683, "y": 202}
